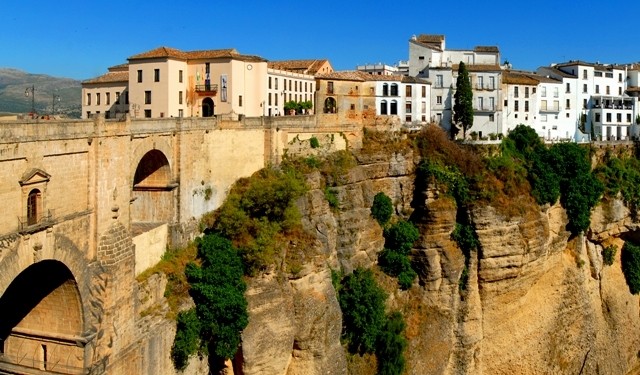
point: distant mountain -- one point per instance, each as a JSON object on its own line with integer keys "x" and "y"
{"x": 14, "y": 83}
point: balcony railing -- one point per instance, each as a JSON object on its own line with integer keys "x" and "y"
{"x": 484, "y": 108}
{"x": 550, "y": 109}
{"x": 34, "y": 224}
{"x": 485, "y": 86}
{"x": 211, "y": 88}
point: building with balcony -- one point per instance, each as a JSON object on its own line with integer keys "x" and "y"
{"x": 429, "y": 59}
{"x": 597, "y": 99}
{"x": 166, "y": 82}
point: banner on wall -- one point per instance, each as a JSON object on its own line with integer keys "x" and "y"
{"x": 223, "y": 88}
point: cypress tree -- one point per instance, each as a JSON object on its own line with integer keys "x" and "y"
{"x": 463, "y": 102}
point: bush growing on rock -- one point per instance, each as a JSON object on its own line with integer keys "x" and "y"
{"x": 394, "y": 258}
{"x": 382, "y": 208}
{"x": 187, "y": 338}
{"x": 630, "y": 259}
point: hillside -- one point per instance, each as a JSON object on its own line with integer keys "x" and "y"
{"x": 13, "y": 84}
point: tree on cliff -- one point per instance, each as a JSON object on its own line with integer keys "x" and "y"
{"x": 217, "y": 288}
{"x": 463, "y": 103}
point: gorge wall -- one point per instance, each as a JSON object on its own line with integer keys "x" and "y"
{"x": 538, "y": 301}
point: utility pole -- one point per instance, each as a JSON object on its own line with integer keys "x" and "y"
{"x": 54, "y": 98}
{"x": 31, "y": 90}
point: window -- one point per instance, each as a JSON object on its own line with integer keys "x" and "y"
{"x": 492, "y": 103}
{"x": 276, "y": 83}
{"x": 329, "y": 87}
{"x": 424, "y": 107}
{"x": 420, "y": 57}
{"x": 506, "y": 102}
{"x": 269, "y": 82}
{"x": 555, "y": 92}
{"x": 526, "y": 106}
{"x": 619, "y": 90}
{"x": 98, "y": 99}
{"x": 394, "y": 107}
{"x": 543, "y": 105}
{"x": 117, "y": 97}
{"x": 439, "y": 99}
{"x": 180, "y": 113}
{"x": 568, "y": 104}
{"x": 394, "y": 90}
{"x": 597, "y": 89}
{"x": 407, "y": 107}
{"x": 439, "y": 81}
{"x": 107, "y": 114}
{"x": 275, "y": 97}
{"x": 424, "y": 91}
{"x": 108, "y": 98}
{"x": 180, "y": 76}
{"x": 139, "y": 76}
{"x": 34, "y": 201}
{"x": 269, "y": 98}
{"x": 352, "y": 107}
{"x": 619, "y": 77}
{"x": 240, "y": 100}
{"x": 156, "y": 75}
{"x": 147, "y": 97}
{"x": 492, "y": 83}
{"x": 584, "y": 88}
{"x": 383, "y": 107}
{"x": 584, "y": 74}
{"x": 515, "y": 92}
{"x": 480, "y": 102}
{"x": 438, "y": 117}
{"x": 526, "y": 92}
{"x": 385, "y": 90}
{"x": 608, "y": 117}
{"x": 480, "y": 82}
{"x": 556, "y": 105}
{"x": 628, "y": 117}
{"x": 147, "y": 113}
{"x": 567, "y": 115}
{"x": 180, "y": 97}
{"x": 554, "y": 127}
{"x": 543, "y": 91}
{"x": 295, "y": 87}
{"x": 289, "y": 86}
{"x": 619, "y": 117}
{"x": 597, "y": 117}
{"x": 88, "y": 99}
{"x": 608, "y": 90}
{"x": 568, "y": 88}
{"x": 584, "y": 103}
{"x": 407, "y": 90}
{"x": 491, "y": 118}
{"x": 543, "y": 118}
{"x": 126, "y": 97}
{"x": 597, "y": 74}
{"x": 516, "y": 107}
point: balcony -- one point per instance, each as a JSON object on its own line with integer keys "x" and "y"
{"x": 485, "y": 86}
{"x": 37, "y": 223}
{"x": 209, "y": 90}
{"x": 484, "y": 108}
{"x": 552, "y": 108}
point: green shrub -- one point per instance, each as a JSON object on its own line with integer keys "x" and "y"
{"x": 382, "y": 208}
{"x": 401, "y": 236}
{"x": 447, "y": 179}
{"x": 187, "y": 338}
{"x": 466, "y": 238}
{"x": 464, "y": 278}
{"x": 630, "y": 259}
{"x": 217, "y": 288}
{"x": 608, "y": 255}
{"x": 406, "y": 278}
{"x": 391, "y": 345}
{"x": 362, "y": 304}
{"x": 313, "y": 141}
{"x": 331, "y": 195}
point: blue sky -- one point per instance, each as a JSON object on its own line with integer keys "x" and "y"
{"x": 80, "y": 39}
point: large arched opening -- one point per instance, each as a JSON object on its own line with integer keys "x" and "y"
{"x": 208, "y": 107}
{"x": 41, "y": 321}
{"x": 152, "y": 190}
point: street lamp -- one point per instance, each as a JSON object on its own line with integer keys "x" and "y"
{"x": 31, "y": 90}
{"x": 55, "y": 98}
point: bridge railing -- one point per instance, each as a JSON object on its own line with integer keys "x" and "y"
{"x": 10, "y": 362}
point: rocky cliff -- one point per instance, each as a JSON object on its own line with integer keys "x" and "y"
{"x": 537, "y": 300}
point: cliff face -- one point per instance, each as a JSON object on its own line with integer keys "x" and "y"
{"x": 537, "y": 301}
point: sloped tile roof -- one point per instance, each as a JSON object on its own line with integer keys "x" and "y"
{"x": 518, "y": 78}
{"x": 305, "y": 66}
{"x": 486, "y": 49}
{"x": 112, "y": 76}
{"x": 430, "y": 38}
{"x": 121, "y": 67}
{"x": 167, "y": 52}
{"x": 344, "y": 76}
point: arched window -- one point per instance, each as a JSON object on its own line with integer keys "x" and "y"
{"x": 394, "y": 89}
{"x": 34, "y": 207}
{"x": 330, "y": 105}
{"x": 385, "y": 89}
{"x": 394, "y": 107}
{"x": 383, "y": 107}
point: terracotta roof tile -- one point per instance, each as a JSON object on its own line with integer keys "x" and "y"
{"x": 430, "y": 38}
{"x": 344, "y": 76}
{"x": 298, "y": 66}
{"x": 486, "y": 49}
{"x": 160, "y": 52}
{"x": 112, "y": 76}
{"x": 519, "y": 78}
{"x": 119, "y": 68}
{"x": 166, "y": 52}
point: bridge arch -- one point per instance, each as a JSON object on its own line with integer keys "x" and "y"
{"x": 152, "y": 189}
{"x": 42, "y": 321}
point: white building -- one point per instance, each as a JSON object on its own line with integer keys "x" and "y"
{"x": 405, "y": 97}
{"x": 429, "y": 58}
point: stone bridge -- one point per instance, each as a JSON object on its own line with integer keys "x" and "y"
{"x": 88, "y": 205}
